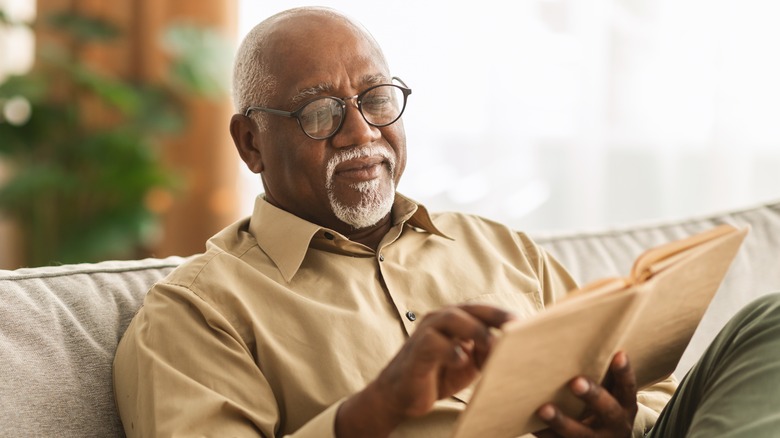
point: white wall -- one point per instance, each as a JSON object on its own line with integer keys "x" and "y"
{"x": 17, "y": 43}
{"x": 561, "y": 114}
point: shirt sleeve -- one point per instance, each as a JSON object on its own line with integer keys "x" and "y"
{"x": 650, "y": 402}
{"x": 181, "y": 369}
{"x": 554, "y": 280}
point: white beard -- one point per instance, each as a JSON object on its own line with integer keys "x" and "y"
{"x": 375, "y": 202}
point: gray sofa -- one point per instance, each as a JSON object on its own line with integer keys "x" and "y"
{"x": 59, "y": 326}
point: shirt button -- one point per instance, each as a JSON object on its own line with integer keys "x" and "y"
{"x": 328, "y": 235}
{"x": 411, "y": 316}
{"x": 381, "y": 257}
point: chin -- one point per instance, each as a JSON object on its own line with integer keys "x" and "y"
{"x": 374, "y": 204}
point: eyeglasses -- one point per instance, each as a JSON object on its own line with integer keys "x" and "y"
{"x": 321, "y": 118}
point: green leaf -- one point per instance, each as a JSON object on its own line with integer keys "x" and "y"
{"x": 33, "y": 87}
{"x": 161, "y": 111}
{"x": 120, "y": 95}
{"x": 32, "y": 184}
{"x": 201, "y": 59}
{"x": 113, "y": 234}
{"x": 46, "y": 124}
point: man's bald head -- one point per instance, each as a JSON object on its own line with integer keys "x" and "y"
{"x": 262, "y": 52}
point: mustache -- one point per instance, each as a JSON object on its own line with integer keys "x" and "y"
{"x": 351, "y": 154}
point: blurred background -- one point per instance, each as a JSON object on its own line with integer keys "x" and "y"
{"x": 547, "y": 115}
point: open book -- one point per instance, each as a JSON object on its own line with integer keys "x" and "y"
{"x": 651, "y": 315}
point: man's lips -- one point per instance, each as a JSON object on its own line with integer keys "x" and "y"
{"x": 363, "y": 168}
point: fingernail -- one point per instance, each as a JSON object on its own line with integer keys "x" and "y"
{"x": 621, "y": 360}
{"x": 580, "y": 386}
{"x": 546, "y": 413}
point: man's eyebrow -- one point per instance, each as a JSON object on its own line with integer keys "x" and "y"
{"x": 374, "y": 79}
{"x": 325, "y": 87}
{"x": 311, "y": 91}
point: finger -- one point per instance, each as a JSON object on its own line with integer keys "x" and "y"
{"x": 489, "y": 315}
{"x": 467, "y": 346}
{"x": 468, "y": 324}
{"x": 624, "y": 381}
{"x": 433, "y": 349}
{"x": 467, "y": 337}
{"x": 560, "y": 423}
{"x": 599, "y": 401}
{"x": 455, "y": 323}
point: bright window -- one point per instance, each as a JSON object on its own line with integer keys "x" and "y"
{"x": 564, "y": 114}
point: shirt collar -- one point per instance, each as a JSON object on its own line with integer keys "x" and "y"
{"x": 286, "y": 238}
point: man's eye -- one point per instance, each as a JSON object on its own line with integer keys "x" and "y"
{"x": 318, "y": 119}
{"x": 318, "y": 115}
{"x": 376, "y": 103}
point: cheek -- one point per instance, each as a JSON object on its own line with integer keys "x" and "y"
{"x": 295, "y": 164}
{"x": 396, "y": 138}
{"x": 309, "y": 163}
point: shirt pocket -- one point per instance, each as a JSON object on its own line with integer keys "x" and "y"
{"x": 521, "y": 304}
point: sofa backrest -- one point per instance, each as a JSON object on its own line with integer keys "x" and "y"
{"x": 59, "y": 327}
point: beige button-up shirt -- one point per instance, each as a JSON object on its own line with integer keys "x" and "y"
{"x": 280, "y": 319}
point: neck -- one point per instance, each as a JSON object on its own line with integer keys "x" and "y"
{"x": 372, "y": 235}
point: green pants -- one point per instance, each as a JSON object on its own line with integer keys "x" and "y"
{"x": 734, "y": 389}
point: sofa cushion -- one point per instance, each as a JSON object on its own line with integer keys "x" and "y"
{"x": 754, "y": 272}
{"x": 59, "y": 327}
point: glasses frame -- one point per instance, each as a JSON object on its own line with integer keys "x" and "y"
{"x": 405, "y": 90}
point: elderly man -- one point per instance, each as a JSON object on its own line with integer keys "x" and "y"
{"x": 306, "y": 319}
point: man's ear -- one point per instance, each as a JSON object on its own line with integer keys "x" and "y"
{"x": 245, "y": 137}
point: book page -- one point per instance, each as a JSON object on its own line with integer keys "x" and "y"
{"x": 679, "y": 295}
{"x": 651, "y": 261}
{"x": 605, "y": 285}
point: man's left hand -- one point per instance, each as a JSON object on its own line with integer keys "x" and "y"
{"x": 611, "y": 408}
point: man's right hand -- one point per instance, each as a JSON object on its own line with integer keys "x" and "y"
{"x": 443, "y": 356}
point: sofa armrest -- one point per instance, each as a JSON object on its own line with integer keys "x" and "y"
{"x": 59, "y": 327}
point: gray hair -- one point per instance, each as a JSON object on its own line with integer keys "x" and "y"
{"x": 253, "y": 83}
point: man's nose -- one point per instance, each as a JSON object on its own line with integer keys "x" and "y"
{"x": 355, "y": 130}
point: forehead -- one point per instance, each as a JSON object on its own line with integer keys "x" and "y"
{"x": 323, "y": 53}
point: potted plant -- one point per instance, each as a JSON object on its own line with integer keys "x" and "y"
{"x": 83, "y": 146}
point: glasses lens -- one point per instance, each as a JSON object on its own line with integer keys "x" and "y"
{"x": 321, "y": 117}
{"x": 382, "y": 105}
